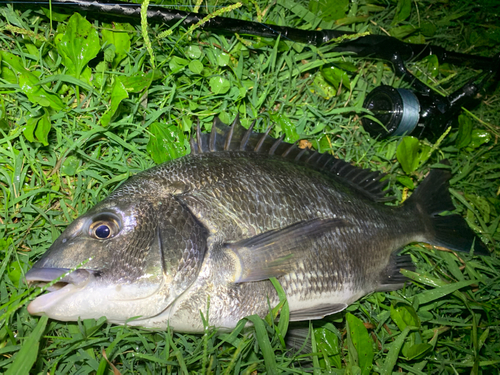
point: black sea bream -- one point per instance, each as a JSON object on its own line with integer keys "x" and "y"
{"x": 218, "y": 223}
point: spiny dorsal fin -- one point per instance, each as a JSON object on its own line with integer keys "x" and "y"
{"x": 237, "y": 138}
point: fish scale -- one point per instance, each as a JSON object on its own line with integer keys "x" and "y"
{"x": 211, "y": 229}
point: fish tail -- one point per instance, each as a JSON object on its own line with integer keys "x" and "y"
{"x": 431, "y": 198}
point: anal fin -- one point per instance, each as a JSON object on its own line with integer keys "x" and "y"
{"x": 316, "y": 311}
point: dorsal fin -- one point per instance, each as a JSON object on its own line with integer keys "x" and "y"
{"x": 237, "y": 138}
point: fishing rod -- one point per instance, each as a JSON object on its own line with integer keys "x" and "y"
{"x": 420, "y": 111}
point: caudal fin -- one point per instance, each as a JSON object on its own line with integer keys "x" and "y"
{"x": 432, "y": 197}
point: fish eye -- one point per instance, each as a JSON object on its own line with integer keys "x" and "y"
{"x": 103, "y": 229}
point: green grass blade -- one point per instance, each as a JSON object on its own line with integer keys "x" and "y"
{"x": 433, "y": 294}
{"x": 264, "y": 344}
{"x": 26, "y": 357}
{"x": 392, "y": 356}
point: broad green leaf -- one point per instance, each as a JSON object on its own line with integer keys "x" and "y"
{"x": 14, "y": 272}
{"x": 8, "y": 75}
{"x": 337, "y": 77}
{"x": 428, "y": 29}
{"x": 416, "y": 39}
{"x": 194, "y": 51}
{"x": 55, "y": 16}
{"x": 324, "y": 144}
{"x": 29, "y": 128}
{"x": 357, "y": 334}
{"x": 32, "y": 49}
{"x": 42, "y": 130}
{"x": 406, "y": 181}
{"x": 407, "y": 153}
{"x": 109, "y": 53}
{"x": 403, "y": 11}
{"x": 11, "y": 64}
{"x": 287, "y": 126}
{"x": 322, "y": 88}
{"x": 117, "y": 35}
{"x": 37, "y": 129}
{"x": 478, "y": 138}
{"x": 166, "y": 142}
{"x": 404, "y": 315}
{"x": 347, "y": 66}
{"x": 219, "y": 85}
{"x": 78, "y": 45}
{"x": 417, "y": 351}
{"x": 117, "y": 95}
{"x": 425, "y": 151}
{"x": 222, "y": 58}
{"x": 26, "y": 357}
{"x": 139, "y": 81}
{"x": 401, "y": 32}
{"x": 29, "y": 84}
{"x": 328, "y": 343}
{"x": 13, "y": 61}
{"x": 196, "y": 67}
{"x": 70, "y": 165}
{"x": 177, "y": 64}
{"x": 464, "y": 136}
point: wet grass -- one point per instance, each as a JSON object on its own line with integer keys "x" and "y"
{"x": 66, "y": 147}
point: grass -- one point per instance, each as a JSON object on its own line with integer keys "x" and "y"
{"x": 66, "y": 143}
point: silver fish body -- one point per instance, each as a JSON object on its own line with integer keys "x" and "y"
{"x": 215, "y": 225}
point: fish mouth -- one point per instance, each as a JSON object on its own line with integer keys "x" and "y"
{"x": 68, "y": 284}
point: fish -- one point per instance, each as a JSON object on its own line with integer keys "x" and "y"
{"x": 207, "y": 231}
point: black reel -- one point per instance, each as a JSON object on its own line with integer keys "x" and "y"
{"x": 401, "y": 111}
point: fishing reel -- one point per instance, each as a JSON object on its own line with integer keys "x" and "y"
{"x": 401, "y": 111}
{"x": 418, "y": 110}
{"x": 398, "y": 112}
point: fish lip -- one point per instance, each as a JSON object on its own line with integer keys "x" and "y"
{"x": 69, "y": 283}
{"x": 42, "y": 276}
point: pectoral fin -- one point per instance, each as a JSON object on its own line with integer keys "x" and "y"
{"x": 277, "y": 252}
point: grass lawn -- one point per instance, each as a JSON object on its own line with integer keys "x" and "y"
{"x": 85, "y": 104}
